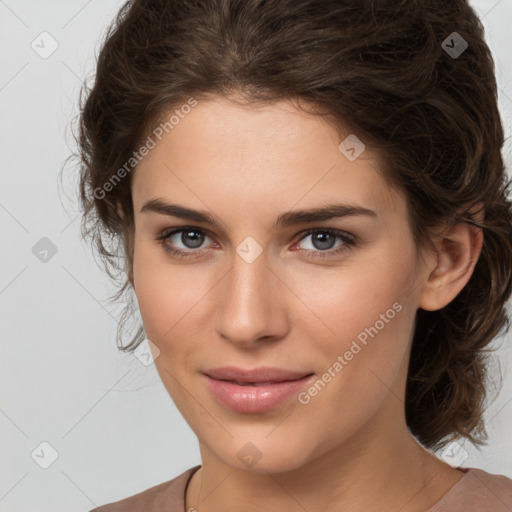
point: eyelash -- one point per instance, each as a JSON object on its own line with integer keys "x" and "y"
{"x": 349, "y": 242}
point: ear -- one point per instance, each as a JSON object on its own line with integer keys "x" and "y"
{"x": 129, "y": 260}
{"x": 129, "y": 245}
{"x": 130, "y": 276}
{"x": 119, "y": 210}
{"x": 458, "y": 249}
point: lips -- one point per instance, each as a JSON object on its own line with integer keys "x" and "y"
{"x": 248, "y": 396}
{"x": 255, "y": 376}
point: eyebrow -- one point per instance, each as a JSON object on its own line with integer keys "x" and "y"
{"x": 290, "y": 218}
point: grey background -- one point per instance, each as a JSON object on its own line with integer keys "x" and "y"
{"x": 63, "y": 381}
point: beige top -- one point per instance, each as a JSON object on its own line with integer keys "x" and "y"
{"x": 476, "y": 491}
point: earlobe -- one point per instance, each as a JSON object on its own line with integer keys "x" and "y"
{"x": 119, "y": 210}
{"x": 458, "y": 250}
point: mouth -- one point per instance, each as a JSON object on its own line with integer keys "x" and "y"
{"x": 255, "y": 397}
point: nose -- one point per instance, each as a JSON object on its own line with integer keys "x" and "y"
{"x": 252, "y": 305}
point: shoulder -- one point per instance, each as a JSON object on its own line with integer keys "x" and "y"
{"x": 477, "y": 491}
{"x": 168, "y": 496}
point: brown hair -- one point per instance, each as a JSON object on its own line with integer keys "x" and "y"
{"x": 384, "y": 70}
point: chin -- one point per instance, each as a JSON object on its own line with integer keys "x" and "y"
{"x": 265, "y": 456}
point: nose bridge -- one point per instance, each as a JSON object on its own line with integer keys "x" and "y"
{"x": 250, "y": 308}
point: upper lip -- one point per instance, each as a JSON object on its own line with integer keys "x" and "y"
{"x": 262, "y": 374}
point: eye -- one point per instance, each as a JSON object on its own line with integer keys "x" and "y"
{"x": 322, "y": 245}
{"x": 191, "y": 239}
{"x": 323, "y": 242}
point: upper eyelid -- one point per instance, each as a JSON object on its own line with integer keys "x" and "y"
{"x": 166, "y": 233}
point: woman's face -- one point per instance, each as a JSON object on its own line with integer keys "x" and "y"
{"x": 255, "y": 289}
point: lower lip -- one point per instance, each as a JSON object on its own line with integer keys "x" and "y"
{"x": 255, "y": 399}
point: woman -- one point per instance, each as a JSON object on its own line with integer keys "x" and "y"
{"x": 310, "y": 204}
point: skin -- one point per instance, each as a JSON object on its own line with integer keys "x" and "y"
{"x": 348, "y": 448}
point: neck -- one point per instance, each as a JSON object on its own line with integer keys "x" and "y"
{"x": 380, "y": 468}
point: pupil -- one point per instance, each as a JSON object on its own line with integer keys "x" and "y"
{"x": 320, "y": 239}
{"x": 194, "y": 241}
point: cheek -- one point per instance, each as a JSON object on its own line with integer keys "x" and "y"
{"x": 157, "y": 290}
{"x": 345, "y": 303}
{"x": 359, "y": 323}
{"x": 169, "y": 307}
{"x": 170, "y": 297}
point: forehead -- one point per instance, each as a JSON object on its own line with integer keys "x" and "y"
{"x": 234, "y": 153}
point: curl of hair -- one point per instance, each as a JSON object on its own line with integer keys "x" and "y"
{"x": 379, "y": 70}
